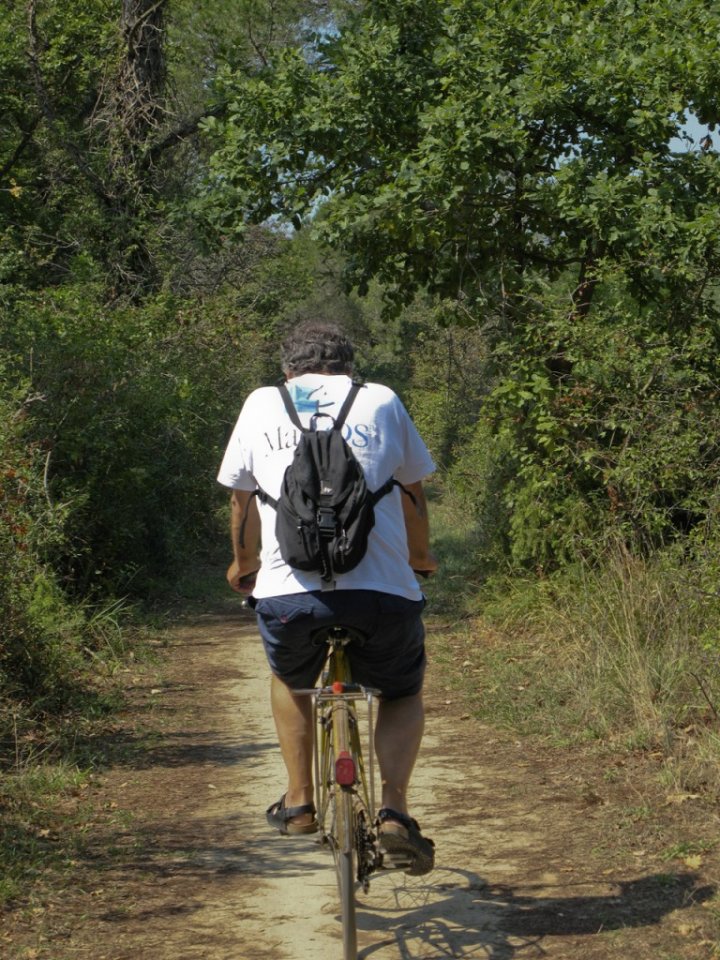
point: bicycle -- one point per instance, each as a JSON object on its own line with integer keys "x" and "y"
{"x": 344, "y": 787}
{"x": 344, "y": 784}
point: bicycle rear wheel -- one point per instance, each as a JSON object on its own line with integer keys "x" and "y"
{"x": 343, "y": 833}
{"x": 344, "y": 854}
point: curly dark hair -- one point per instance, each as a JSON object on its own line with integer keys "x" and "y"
{"x": 316, "y": 347}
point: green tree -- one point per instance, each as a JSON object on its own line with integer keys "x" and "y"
{"x": 100, "y": 105}
{"x": 517, "y": 161}
{"x": 468, "y": 145}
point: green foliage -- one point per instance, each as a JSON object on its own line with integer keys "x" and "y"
{"x": 465, "y": 146}
{"x": 518, "y": 162}
{"x": 42, "y": 634}
{"x": 50, "y": 189}
{"x": 99, "y": 110}
{"x": 476, "y": 486}
{"x": 132, "y": 407}
{"x": 609, "y": 423}
{"x": 108, "y": 457}
{"x": 448, "y": 381}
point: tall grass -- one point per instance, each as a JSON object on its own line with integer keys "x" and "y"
{"x": 49, "y": 741}
{"x": 616, "y": 652}
{"x": 629, "y": 637}
{"x": 625, "y": 651}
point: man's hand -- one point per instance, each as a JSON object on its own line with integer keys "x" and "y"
{"x": 424, "y": 566}
{"x": 241, "y": 580}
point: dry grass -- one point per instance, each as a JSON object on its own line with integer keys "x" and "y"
{"x": 617, "y": 653}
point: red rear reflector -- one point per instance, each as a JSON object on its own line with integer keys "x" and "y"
{"x": 338, "y": 687}
{"x": 345, "y": 770}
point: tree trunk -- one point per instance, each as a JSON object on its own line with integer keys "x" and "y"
{"x": 135, "y": 112}
{"x": 138, "y": 96}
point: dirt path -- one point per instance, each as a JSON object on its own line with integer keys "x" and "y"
{"x": 538, "y": 854}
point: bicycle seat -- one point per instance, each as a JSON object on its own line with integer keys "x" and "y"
{"x": 337, "y": 633}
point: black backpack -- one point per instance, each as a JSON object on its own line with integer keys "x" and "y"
{"x": 325, "y": 511}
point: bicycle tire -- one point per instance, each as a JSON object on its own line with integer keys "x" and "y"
{"x": 344, "y": 837}
{"x": 345, "y": 875}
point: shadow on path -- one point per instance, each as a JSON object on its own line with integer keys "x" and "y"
{"x": 455, "y": 914}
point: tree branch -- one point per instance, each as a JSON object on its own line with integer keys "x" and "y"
{"x": 583, "y": 293}
{"x": 145, "y": 15}
{"x": 256, "y": 46}
{"x": 17, "y": 153}
{"x": 179, "y": 134}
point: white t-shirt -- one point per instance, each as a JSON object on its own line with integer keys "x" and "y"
{"x": 383, "y": 439}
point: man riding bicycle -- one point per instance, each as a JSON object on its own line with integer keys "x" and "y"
{"x": 380, "y": 597}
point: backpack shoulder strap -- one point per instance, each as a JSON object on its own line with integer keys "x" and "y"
{"x": 263, "y": 498}
{"x": 349, "y": 400}
{"x": 388, "y": 486}
{"x": 290, "y": 406}
{"x": 341, "y": 417}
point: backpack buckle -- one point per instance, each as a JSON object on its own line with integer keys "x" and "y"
{"x": 326, "y": 522}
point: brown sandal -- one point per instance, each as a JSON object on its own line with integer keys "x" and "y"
{"x": 401, "y": 839}
{"x": 281, "y": 817}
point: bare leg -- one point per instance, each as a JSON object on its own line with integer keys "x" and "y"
{"x": 293, "y": 722}
{"x": 398, "y": 734}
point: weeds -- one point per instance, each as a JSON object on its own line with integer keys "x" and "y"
{"x": 105, "y": 627}
{"x": 35, "y": 831}
{"x": 53, "y": 703}
{"x": 630, "y": 644}
{"x": 610, "y": 653}
{"x": 688, "y": 848}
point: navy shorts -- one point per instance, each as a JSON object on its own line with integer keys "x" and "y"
{"x": 392, "y": 659}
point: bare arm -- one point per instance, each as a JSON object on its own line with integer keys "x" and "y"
{"x": 417, "y": 526}
{"x": 245, "y": 558}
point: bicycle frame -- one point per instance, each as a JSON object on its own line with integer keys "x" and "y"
{"x": 334, "y": 700}
{"x": 344, "y": 785}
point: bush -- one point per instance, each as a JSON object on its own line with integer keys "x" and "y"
{"x": 41, "y": 633}
{"x": 449, "y": 380}
{"x": 475, "y": 488}
{"x": 133, "y": 407}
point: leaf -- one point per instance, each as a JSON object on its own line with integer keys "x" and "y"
{"x": 677, "y": 798}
